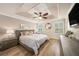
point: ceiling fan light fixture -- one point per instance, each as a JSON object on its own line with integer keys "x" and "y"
{"x": 40, "y": 17}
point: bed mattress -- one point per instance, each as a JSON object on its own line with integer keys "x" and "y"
{"x": 33, "y": 41}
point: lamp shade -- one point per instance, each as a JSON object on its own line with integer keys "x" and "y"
{"x": 10, "y": 31}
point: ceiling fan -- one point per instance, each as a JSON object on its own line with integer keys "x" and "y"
{"x": 41, "y": 15}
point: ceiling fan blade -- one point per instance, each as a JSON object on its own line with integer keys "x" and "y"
{"x": 36, "y": 13}
{"x": 45, "y": 14}
{"x": 34, "y": 17}
{"x": 44, "y": 17}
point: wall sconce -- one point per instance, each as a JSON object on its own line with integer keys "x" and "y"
{"x": 10, "y": 32}
{"x": 22, "y": 26}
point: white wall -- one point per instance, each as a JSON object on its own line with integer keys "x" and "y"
{"x": 51, "y": 32}
{"x": 13, "y": 23}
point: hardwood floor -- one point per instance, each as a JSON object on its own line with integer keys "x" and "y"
{"x": 16, "y": 51}
{"x": 51, "y": 48}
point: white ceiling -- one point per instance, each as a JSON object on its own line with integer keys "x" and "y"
{"x": 40, "y": 7}
{"x": 53, "y": 9}
{"x": 25, "y": 10}
{"x": 8, "y": 7}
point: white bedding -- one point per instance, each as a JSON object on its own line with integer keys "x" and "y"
{"x": 33, "y": 41}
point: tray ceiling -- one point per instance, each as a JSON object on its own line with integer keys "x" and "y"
{"x": 26, "y": 10}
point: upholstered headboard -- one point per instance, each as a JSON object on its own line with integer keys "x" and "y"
{"x": 18, "y": 32}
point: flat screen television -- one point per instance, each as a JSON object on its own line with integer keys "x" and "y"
{"x": 74, "y": 15}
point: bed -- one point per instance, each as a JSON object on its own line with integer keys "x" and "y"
{"x": 31, "y": 40}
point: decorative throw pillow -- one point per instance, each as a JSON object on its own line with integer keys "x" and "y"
{"x": 22, "y": 33}
{"x": 27, "y": 33}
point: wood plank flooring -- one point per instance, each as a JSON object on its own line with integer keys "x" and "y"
{"x": 51, "y": 48}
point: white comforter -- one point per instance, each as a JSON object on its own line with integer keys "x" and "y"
{"x": 33, "y": 41}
